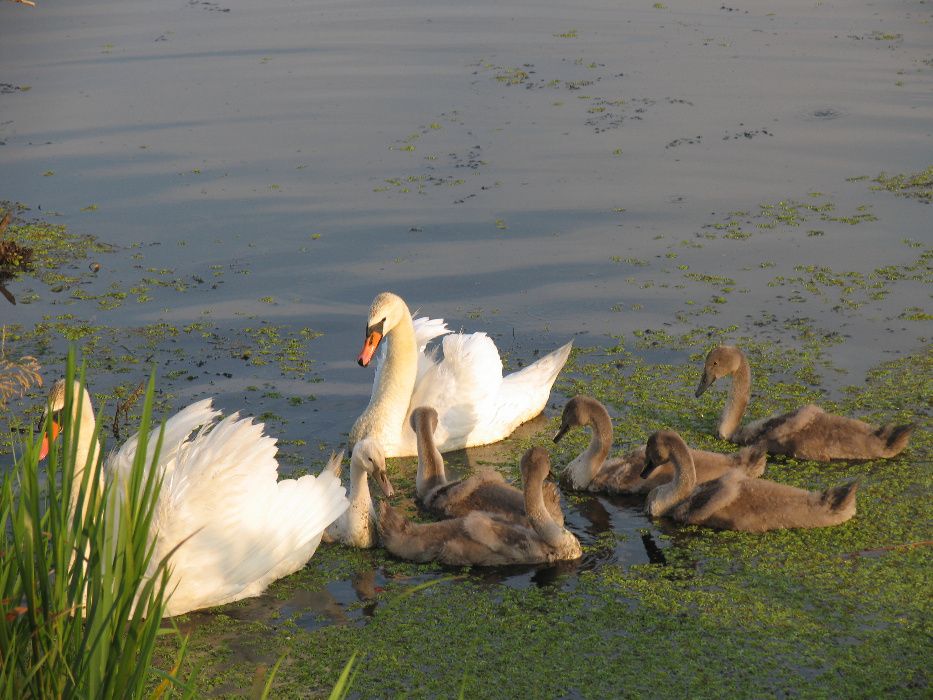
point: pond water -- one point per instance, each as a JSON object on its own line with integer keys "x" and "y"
{"x": 538, "y": 170}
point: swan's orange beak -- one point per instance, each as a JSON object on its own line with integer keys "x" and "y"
{"x": 369, "y": 348}
{"x": 44, "y": 450}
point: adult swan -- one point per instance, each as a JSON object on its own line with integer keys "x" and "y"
{"x": 475, "y": 404}
{"x": 235, "y": 526}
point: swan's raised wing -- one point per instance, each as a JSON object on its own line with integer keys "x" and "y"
{"x": 524, "y": 393}
{"x": 461, "y": 385}
{"x": 427, "y": 329}
{"x": 178, "y": 430}
{"x": 240, "y": 527}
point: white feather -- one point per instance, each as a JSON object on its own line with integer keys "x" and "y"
{"x": 238, "y": 527}
{"x": 475, "y": 404}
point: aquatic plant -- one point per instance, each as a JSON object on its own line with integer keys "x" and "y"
{"x": 917, "y": 185}
{"x": 13, "y": 258}
{"x": 17, "y": 376}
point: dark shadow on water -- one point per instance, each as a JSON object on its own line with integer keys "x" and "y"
{"x": 194, "y": 55}
{"x": 652, "y": 549}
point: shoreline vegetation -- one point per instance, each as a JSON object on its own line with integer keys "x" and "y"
{"x": 80, "y": 616}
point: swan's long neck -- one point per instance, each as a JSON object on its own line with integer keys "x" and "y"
{"x": 664, "y": 497}
{"x": 540, "y": 518}
{"x": 588, "y": 463}
{"x": 359, "y": 519}
{"x": 739, "y": 392}
{"x": 431, "y": 473}
{"x": 360, "y": 497}
{"x": 384, "y": 417}
{"x": 87, "y": 448}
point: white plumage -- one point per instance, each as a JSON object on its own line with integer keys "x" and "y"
{"x": 240, "y": 527}
{"x": 475, "y": 404}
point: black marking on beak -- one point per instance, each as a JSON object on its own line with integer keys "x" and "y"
{"x": 56, "y": 418}
{"x": 376, "y": 327}
{"x": 374, "y": 336}
{"x": 560, "y": 433}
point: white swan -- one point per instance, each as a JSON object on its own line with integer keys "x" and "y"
{"x": 356, "y": 527}
{"x": 475, "y": 404}
{"x": 241, "y": 528}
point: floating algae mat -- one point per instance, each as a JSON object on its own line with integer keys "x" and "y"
{"x": 836, "y": 611}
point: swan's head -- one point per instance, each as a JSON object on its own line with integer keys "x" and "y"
{"x": 721, "y": 361}
{"x": 535, "y": 465}
{"x": 423, "y": 420}
{"x": 580, "y": 410}
{"x": 370, "y": 457}
{"x": 386, "y": 312}
{"x": 658, "y": 450}
{"x": 56, "y": 407}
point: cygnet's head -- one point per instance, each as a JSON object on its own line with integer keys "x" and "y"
{"x": 423, "y": 420}
{"x": 720, "y": 362}
{"x": 369, "y": 455}
{"x": 535, "y": 465}
{"x": 580, "y": 410}
{"x": 658, "y": 450}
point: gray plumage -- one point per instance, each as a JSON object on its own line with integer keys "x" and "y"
{"x": 806, "y": 433}
{"x": 485, "y": 539}
{"x": 594, "y": 471}
{"x": 736, "y": 502}
{"x": 486, "y": 490}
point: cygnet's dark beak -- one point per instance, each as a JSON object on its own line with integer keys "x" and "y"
{"x": 560, "y": 433}
{"x": 382, "y": 478}
{"x": 705, "y": 382}
{"x": 650, "y": 466}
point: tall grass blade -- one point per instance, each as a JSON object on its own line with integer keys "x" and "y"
{"x": 81, "y": 596}
{"x": 342, "y": 687}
